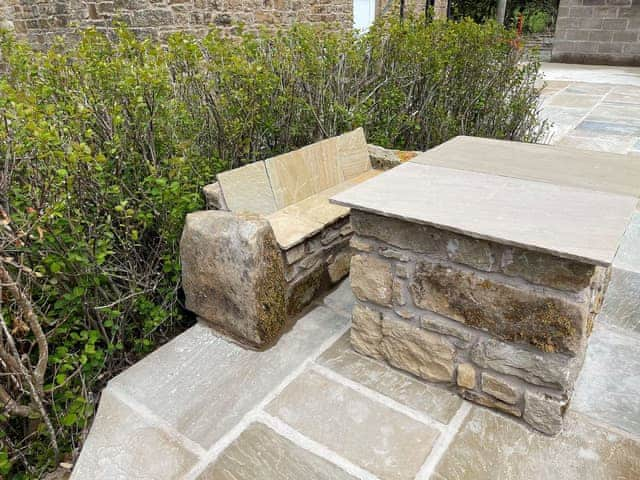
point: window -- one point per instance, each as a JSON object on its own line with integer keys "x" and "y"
{"x": 364, "y": 14}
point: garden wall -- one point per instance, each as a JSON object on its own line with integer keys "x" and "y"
{"x": 40, "y": 20}
{"x": 598, "y": 32}
{"x": 415, "y": 7}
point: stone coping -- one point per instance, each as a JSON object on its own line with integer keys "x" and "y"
{"x": 569, "y": 222}
{"x": 608, "y": 172}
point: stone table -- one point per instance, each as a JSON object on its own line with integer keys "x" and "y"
{"x": 486, "y": 283}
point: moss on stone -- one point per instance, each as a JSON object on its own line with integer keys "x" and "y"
{"x": 304, "y": 290}
{"x": 271, "y": 293}
{"x": 545, "y": 322}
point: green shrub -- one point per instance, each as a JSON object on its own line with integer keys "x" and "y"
{"x": 106, "y": 145}
{"x": 538, "y": 14}
{"x": 538, "y": 21}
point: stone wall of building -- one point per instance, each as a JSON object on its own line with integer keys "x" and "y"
{"x": 39, "y": 21}
{"x": 415, "y": 7}
{"x": 504, "y": 327}
{"x": 598, "y": 32}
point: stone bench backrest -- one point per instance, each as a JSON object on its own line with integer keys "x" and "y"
{"x": 265, "y": 187}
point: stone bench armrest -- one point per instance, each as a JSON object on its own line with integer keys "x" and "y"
{"x": 233, "y": 274}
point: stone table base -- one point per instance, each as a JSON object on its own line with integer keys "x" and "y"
{"x": 505, "y": 327}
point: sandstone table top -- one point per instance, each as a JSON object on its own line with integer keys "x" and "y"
{"x": 570, "y": 222}
{"x": 609, "y": 172}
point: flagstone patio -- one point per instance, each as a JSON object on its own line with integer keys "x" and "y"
{"x": 311, "y": 408}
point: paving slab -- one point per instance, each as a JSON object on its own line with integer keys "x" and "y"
{"x": 624, "y": 94}
{"x": 124, "y": 446}
{"x": 575, "y": 223}
{"x": 566, "y": 99}
{"x": 590, "y": 127}
{"x": 435, "y": 402}
{"x": 561, "y": 120}
{"x": 608, "y": 172}
{"x": 383, "y": 441}
{"x": 621, "y": 306}
{"x": 202, "y": 384}
{"x": 591, "y": 73}
{"x": 260, "y": 453}
{"x": 608, "y": 388}
{"x": 585, "y": 140}
{"x": 490, "y": 446}
{"x": 584, "y": 88}
{"x": 247, "y": 189}
{"x": 628, "y": 256}
{"x": 341, "y": 299}
{"x": 622, "y": 113}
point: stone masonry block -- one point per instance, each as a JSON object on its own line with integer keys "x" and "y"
{"x": 535, "y": 267}
{"x": 366, "y": 331}
{"x": 466, "y": 377}
{"x": 445, "y": 326}
{"x": 358, "y": 243}
{"x": 543, "y": 412}
{"x": 550, "y": 321}
{"x": 552, "y": 370}
{"x": 490, "y": 402}
{"x": 233, "y": 274}
{"x": 399, "y": 297}
{"x": 338, "y": 265}
{"x": 500, "y": 388}
{"x": 372, "y": 279}
{"x": 425, "y": 354}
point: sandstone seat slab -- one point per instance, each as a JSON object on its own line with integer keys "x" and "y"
{"x": 569, "y": 222}
{"x": 301, "y": 220}
{"x": 607, "y": 172}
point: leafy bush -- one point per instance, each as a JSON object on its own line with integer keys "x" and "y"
{"x": 536, "y": 20}
{"x": 105, "y": 147}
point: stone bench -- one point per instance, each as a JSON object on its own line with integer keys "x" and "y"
{"x": 487, "y": 275}
{"x": 272, "y": 241}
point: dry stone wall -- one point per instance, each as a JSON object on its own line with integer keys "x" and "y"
{"x": 39, "y": 21}
{"x": 316, "y": 264}
{"x": 506, "y": 328}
